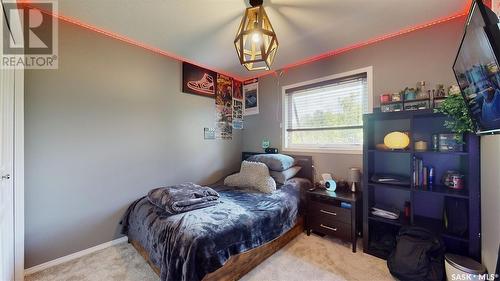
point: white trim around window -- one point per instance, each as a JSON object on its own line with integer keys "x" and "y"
{"x": 326, "y": 149}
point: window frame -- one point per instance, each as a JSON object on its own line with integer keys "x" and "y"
{"x": 327, "y": 149}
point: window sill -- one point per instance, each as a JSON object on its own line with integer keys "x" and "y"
{"x": 323, "y": 151}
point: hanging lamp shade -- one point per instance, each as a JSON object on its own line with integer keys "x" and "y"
{"x": 256, "y": 43}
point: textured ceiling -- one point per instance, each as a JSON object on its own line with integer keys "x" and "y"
{"x": 203, "y": 31}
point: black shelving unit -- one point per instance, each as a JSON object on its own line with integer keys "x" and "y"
{"x": 426, "y": 203}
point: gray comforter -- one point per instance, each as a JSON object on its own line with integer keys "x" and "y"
{"x": 189, "y": 245}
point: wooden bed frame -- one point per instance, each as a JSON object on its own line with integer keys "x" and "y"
{"x": 239, "y": 265}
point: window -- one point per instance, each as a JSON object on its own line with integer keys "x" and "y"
{"x": 327, "y": 114}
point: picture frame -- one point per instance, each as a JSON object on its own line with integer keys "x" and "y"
{"x": 198, "y": 80}
{"x": 251, "y": 97}
{"x": 495, "y": 6}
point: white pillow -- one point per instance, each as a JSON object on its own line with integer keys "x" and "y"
{"x": 252, "y": 175}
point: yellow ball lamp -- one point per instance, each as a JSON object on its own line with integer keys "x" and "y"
{"x": 397, "y": 140}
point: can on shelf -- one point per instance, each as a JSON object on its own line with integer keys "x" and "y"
{"x": 385, "y": 98}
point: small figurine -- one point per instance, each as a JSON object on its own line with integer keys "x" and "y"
{"x": 440, "y": 92}
{"x": 453, "y": 90}
{"x": 396, "y": 97}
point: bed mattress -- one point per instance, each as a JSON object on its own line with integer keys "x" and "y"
{"x": 189, "y": 245}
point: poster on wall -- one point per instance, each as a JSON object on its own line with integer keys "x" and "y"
{"x": 197, "y": 80}
{"x": 495, "y": 6}
{"x": 237, "y": 105}
{"x": 224, "y": 105}
{"x": 251, "y": 97}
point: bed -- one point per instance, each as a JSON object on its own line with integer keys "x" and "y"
{"x": 222, "y": 242}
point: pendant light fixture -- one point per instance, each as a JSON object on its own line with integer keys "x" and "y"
{"x": 256, "y": 43}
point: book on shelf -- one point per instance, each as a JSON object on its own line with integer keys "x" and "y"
{"x": 384, "y": 211}
{"x": 420, "y": 173}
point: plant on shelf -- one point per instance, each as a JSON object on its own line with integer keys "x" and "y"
{"x": 454, "y": 106}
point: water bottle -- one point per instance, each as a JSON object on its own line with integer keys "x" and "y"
{"x": 431, "y": 176}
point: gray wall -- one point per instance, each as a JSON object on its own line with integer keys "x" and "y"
{"x": 423, "y": 55}
{"x": 490, "y": 197}
{"x": 107, "y": 126}
{"x": 111, "y": 122}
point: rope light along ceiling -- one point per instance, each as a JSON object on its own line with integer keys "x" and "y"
{"x": 256, "y": 42}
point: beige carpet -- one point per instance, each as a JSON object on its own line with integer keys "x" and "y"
{"x": 305, "y": 258}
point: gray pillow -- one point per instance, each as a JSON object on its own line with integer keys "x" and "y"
{"x": 275, "y": 162}
{"x": 283, "y": 176}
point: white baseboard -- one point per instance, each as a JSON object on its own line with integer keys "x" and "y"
{"x": 73, "y": 256}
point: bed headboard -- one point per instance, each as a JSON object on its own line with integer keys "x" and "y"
{"x": 305, "y": 162}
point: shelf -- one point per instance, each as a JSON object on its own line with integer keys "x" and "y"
{"x": 441, "y": 152}
{"x": 415, "y": 100}
{"x": 393, "y": 186}
{"x": 422, "y": 113}
{"x": 432, "y": 224}
{"x": 391, "y": 102}
{"x": 389, "y": 151}
{"x": 435, "y": 189}
{"x": 439, "y": 98}
{"x": 427, "y": 204}
{"x": 444, "y": 190}
{"x": 430, "y": 152}
{"x": 399, "y": 222}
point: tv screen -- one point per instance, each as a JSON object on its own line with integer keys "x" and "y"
{"x": 476, "y": 68}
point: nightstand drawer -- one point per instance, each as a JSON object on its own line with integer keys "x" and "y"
{"x": 337, "y": 229}
{"x": 334, "y": 213}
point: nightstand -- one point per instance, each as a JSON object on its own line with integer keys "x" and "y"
{"x": 329, "y": 213}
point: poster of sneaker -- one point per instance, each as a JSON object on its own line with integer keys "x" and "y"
{"x": 495, "y": 6}
{"x": 197, "y": 80}
{"x": 251, "y": 97}
{"x": 224, "y": 107}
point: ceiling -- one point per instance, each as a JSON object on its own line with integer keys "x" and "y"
{"x": 203, "y": 31}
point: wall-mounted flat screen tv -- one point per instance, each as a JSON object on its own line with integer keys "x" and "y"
{"x": 476, "y": 68}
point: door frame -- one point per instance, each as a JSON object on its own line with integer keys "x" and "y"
{"x": 19, "y": 174}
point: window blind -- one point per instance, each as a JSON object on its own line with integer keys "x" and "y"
{"x": 328, "y": 113}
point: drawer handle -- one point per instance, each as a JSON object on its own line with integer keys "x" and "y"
{"x": 328, "y": 213}
{"x": 327, "y": 227}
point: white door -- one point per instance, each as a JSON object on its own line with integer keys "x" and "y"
{"x": 7, "y": 264}
{"x": 6, "y": 175}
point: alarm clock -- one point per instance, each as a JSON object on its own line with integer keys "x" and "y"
{"x": 330, "y": 185}
{"x": 271, "y": 150}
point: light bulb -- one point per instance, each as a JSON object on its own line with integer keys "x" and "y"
{"x": 256, "y": 37}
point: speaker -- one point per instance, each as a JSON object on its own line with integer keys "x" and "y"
{"x": 271, "y": 150}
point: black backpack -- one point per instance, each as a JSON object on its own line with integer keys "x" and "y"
{"x": 418, "y": 255}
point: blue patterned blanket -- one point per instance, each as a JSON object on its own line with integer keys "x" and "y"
{"x": 189, "y": 245}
